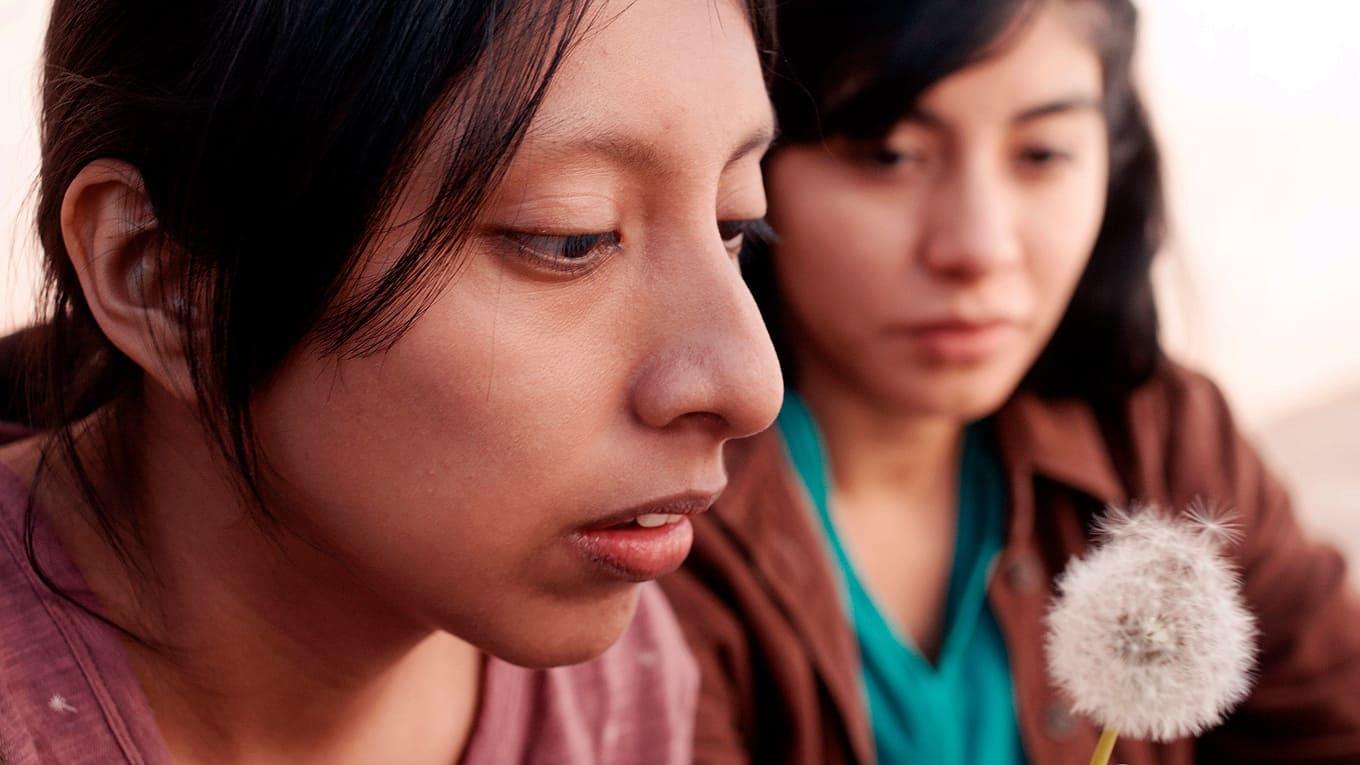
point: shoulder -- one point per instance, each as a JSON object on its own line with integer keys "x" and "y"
{"x": 67, "y": 692}
{"x": 21, "y": 619}
{"x": 1176, "y": 442}
{"x": 1174, "y": 439}
{"x": 1181, "y": 429}
{"x": 1182, "y": 400}
{"x": 1170, "y": 440}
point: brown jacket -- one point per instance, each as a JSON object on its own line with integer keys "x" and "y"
{"x": 780, "y": 667}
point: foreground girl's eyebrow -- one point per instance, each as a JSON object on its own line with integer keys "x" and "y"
{"x": 638, "y": 153}
{"x": 757, "y": 142}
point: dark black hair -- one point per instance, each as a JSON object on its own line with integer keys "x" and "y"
{"x": 273, "y": 137}
{"x": 855, "y": 68}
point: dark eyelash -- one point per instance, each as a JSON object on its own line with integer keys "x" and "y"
{"x": 752, "y": 230}
{"x": 878, "y": 154}
{"x": 564, "y": 252}
{"x": 887, "y": 157}
{"x": 1043, "y": 155}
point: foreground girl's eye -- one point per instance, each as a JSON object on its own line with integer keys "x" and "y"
{"x": 737, "y": 233}
{"x": 563, "y": 252}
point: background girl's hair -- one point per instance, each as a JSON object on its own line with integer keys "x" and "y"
{"x": 273, "y": 138}
{"x": 856, "y": 68}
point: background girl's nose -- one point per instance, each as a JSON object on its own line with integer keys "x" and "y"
{"x": 971, "y": 227}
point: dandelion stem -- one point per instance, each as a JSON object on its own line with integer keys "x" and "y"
{"x": 1105, "y": 748}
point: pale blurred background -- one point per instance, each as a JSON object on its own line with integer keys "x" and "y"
{"x": 1258, "y": 107}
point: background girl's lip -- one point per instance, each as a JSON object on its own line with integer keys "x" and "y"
{"x": 951, "y": 324}
{"x": 959, "y": 342}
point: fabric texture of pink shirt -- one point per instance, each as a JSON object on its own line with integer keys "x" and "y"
{"x": 68, "y": 694}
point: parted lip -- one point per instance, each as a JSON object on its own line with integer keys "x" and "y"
{"x": 684, "y": 503}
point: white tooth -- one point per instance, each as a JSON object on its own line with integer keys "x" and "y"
{"x": 652, "y": 520}
{"x": 673, "y": 519}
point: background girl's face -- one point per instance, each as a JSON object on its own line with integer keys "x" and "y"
{"x": 927, "y": 270}
{"x": 594, "y": 352}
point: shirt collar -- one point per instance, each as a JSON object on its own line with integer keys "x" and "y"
{"x": 1062, "y": 441}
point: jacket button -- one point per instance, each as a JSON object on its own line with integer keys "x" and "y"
{"x": 1022, "y": 573}
{"x": 1059, "y": 724}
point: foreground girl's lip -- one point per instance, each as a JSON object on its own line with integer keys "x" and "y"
{"x": 636, "y": 553}
{"x": 643, "y": 542}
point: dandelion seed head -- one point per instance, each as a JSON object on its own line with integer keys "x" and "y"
{"x": 1149, "y": 634}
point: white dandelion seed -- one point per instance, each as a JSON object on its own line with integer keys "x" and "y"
{"x": 1149, "y": 635}
{"x": 1218, "y": 524}
{"x": 58, "y": 703}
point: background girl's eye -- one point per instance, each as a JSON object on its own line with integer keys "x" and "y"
{"x": 886, "y": 157}
{"x": 737, "y": 233}
{"x": 880, "y": 155}
{"x": 563, "y": 251}
{"x": 1041, "y": 156}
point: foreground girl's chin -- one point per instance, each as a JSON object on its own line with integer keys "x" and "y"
{"x": 569, "y": 635}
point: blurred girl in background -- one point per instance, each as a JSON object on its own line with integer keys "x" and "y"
{"x": 968, "y": 202}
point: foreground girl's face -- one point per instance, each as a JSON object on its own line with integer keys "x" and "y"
{"x": 929, "y": 269}
{"x": 593, "y": 354}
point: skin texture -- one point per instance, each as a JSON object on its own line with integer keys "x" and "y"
{"x": 981, "y": 206}
{"x": 431, "y": 492}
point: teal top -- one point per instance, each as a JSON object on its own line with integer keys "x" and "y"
{"x": 962, "y": 709}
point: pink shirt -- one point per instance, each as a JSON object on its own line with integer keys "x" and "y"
{"x": 68, "y": 694}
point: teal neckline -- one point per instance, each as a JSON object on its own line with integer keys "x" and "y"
{"x": 959, "y": 709}
{"x": 972, "y": 557}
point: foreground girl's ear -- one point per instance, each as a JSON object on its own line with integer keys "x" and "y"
{"x": 129, "y": 274}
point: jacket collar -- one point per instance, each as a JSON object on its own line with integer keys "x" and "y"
{"x": 767, "y": 511}
{"x": 1060, "y": 441}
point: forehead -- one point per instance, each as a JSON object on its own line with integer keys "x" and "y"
{"x": 678, "y": 79}
{"x": 1049, "y": 58}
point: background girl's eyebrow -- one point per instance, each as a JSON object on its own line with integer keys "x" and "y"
{"x": 1075, "y": 103}
{"x": 922, "y": 116}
